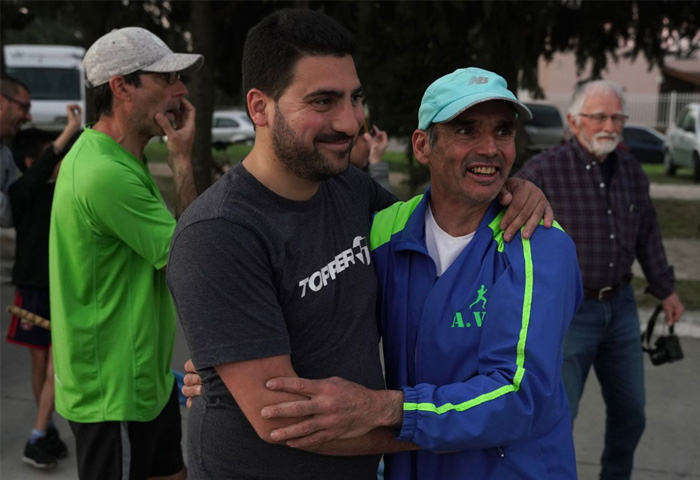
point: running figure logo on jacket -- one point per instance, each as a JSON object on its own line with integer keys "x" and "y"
{"x": 458, "y": 321}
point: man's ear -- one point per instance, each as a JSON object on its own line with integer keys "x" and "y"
{"x": 257, "y": 103}
{"x": 421, "y": 146}
{"x": 119, "y": 89}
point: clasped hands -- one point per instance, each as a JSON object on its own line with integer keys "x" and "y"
{"x": 336, "y": 409}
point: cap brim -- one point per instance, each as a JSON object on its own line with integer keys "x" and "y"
{"x": 464, "y": 103}
{"x": 176, "y": 62}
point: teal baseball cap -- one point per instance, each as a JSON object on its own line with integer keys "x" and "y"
{"x": 452, "y": 94}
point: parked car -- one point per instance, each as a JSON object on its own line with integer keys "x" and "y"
{"x": 682, "y": 148}
{"x": 546, "y": 128}
{"x": 231, "y": 126}
{"x": 646, "y": 144}
{"x": 544, "y": 131}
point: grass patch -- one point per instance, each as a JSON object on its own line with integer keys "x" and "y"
{"x": 655, "y": 172}
{"x": 398, "y": 162}
{"x": 687, "y": 290}
{"x": 156, "y": 152}
{"x": 678, "y": 218}
{"x": 232, "y": 155}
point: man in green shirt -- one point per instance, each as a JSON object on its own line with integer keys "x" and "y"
{"x": 113, "y": 321}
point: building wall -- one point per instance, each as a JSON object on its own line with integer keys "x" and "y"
{"x": 558, "y": 80}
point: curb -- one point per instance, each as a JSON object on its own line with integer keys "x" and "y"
{"x": 688, "y": 327}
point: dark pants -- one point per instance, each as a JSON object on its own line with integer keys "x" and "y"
{"x": 607, "y": 335}
{"x": 131, "y": 450}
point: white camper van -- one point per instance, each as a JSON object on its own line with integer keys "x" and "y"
{"x": 55, "y": 76}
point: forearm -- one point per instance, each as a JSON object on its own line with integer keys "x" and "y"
{"x": 185, "y": 189}
{"x": 377, "y": 441}
{"x": 62, "y": 140}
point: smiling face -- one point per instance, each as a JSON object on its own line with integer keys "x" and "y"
{"x": 599, "y": 139}
{"x": 318, "y": 117}
{"x": 14, "y": 111}
{"x": 473, "y": 154}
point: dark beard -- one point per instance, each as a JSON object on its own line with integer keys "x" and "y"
{"x": 301, "y": 161}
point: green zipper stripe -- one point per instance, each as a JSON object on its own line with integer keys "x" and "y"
{"x": 497, "y": 232}
{"x": 520, "y": 350}
{"x": 391, "y": 220}
{"x": 527, "y": 307}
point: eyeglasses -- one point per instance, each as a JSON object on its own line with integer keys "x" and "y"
{"x": 170, "y": 77}
{"x": 25, "y": 106}
{"x": 600, "y": 118}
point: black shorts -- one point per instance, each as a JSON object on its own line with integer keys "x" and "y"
{"x": 108, "y": 450}
{"x": 35, "y": 300}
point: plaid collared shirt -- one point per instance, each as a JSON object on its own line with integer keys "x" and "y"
{"x": 610, "y": 226}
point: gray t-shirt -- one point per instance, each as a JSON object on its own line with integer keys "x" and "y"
{"x": 8, "y": 175}
{"x": 256, "y": 275}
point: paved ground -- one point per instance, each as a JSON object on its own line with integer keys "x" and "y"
{"x": 665, "y": 453}
{"x": 680, "y": 192}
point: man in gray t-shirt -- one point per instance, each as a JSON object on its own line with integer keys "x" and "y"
{"x": 14, "y": 111}
{"x": 270, "y": 268}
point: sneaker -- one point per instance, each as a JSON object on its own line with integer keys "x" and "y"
{"x": 37, "y": 456}
{"x": 54, "y": 445}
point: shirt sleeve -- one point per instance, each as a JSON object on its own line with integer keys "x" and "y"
{"x": 34, "y": 179}
{"x": 5, "y": 212}
{"x": 531, "y": 171}
{"x": 520, "y": 355}
{"x": 379, "y": 172}
{"x": 221, "y": 280}
{"x": 8, "y": 175}
{"x": 116, "y": 201}
{"x": 651, "y": 254}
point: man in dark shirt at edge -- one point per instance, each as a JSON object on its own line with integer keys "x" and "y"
{"x": 270, "y": 268}
{"x": 601, "y": 196}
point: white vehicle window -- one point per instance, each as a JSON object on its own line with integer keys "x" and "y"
{"x": 49, "y": 83}
{"x": 227, "y": 123}
{"x": 689, "y": 122}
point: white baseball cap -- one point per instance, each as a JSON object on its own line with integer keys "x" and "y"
{"x": 130, "y": 49}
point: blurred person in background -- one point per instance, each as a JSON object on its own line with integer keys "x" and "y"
{"x": 367, "y": 154}
{"x": 38, "y": 155}
{"x": 113, "y": 321}
{"x": 601, "y": 196}
{"x": 15, "y": 105}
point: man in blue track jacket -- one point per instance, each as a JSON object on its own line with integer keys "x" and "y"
{"x": 472, "y": 326}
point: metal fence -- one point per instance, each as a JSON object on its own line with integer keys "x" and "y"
{"x": 655, "y": 110}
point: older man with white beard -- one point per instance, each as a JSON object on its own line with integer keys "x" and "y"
{"x": 601, "y": 196}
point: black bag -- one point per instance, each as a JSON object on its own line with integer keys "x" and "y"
{"x": 668, "y": 347}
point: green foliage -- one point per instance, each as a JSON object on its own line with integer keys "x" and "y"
{"x": 678, "y": 218}
{"x": 655, "y": 172}
{"x": 687, "y": 290}
{"x": 402, "y": 46}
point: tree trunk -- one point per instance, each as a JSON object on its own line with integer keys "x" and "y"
{"x": 202, "y": 92}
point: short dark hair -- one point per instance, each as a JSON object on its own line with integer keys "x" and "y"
{"x": 103, "y": 98}
{"x": 274, "y": 46}
{"x": 9, "y": 86}
{"x": 30, "y": 143}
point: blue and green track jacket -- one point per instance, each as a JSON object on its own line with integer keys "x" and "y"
{"x": 477, "y": 351}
